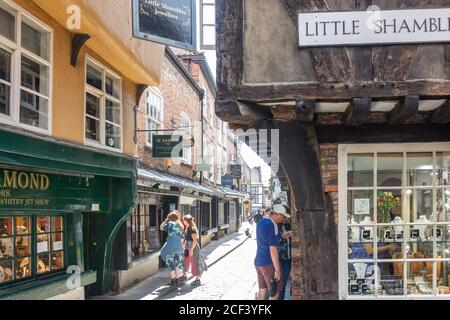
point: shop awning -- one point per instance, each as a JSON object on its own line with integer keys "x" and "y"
{"x": 172, "y": 180}
{"x": 228, "y": 192}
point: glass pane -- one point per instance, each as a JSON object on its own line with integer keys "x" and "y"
{"x": 57, "y": 242}
{"x": 92, "y": 129}
{"x": 57, "y": 224}
{"x": 34, "y": 76}
{"x": 5, "y": 99}
{"x": 33, "y": 110}
{"x": 42, "y": 224}
{"x": 113, "y": 135}
{"x": 388, "y": 247}
{"x": 43, "y": 263}
{"x": 35, "y": 40}
{"x": 6, "y": 271}
{"x": 5, "y": 64}
{"x": 419, "y": 281}
{"x": 209, "y": 14}
{"x": 92, "y": 105}
{"x": 43, "y": 243}
{"x": 113, "y": 112}
{"x": 6, "y": 248}
{"x": 443, "y": 277}
{"x": 443, "y": 205}
{"x": 6, "y": 227}
{"x": 419, "y": 250}
{"x": 360, "y": 207}
{"x": 112, "y": 86}
{"x": 419, "y": 169}
{"x": 209, "y": 35}
{"x": 418, "y": 206}
{"x": 23, "y": 225}
{"x": 390, "y": 167}
{"x": 361, "y": 279}
{"x": 7, "y": 23}
{"x": 391, "y": 279}
{"x": 23, "y": 246}
{"x": 57, "y": 261}
{"x": 443, "y": 168}
{"x": 443, "y": 244}
{"x": 94, "y": 78}
{"x": 23, "y": 268}
{"x": 360, "y": 170}
{"x": 389, "y": 206}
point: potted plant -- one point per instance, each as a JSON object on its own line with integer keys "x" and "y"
{"x": 386, "y": 202}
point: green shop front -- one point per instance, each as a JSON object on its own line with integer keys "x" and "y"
{"x": 60, "y": 209}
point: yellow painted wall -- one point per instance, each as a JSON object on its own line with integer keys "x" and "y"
{"x": 69, "y": 84}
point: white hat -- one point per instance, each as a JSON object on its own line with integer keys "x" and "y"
{"x": 282, "y": 209}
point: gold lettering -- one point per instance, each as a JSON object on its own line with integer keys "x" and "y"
{"x": 9, "y": 181}
{"x": 21, "y": 183}
{"x": 34, "y": 182}
{"x": 45, "y": 182}
{"x": 5, "y": 193}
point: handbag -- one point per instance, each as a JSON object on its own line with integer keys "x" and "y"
{"x": 186, "y": 252}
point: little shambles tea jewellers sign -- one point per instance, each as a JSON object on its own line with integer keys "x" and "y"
{"x": 318, "y": 29}
{"x": 169, "y": 22}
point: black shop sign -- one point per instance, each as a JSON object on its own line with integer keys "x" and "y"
{"x": 169, "y": 22}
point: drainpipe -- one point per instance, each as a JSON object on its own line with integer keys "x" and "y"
{"x": 201, "y": 96}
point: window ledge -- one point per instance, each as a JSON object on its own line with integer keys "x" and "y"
{"x": 46, "y": 288}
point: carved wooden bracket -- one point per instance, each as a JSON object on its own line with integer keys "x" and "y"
{"x": 404, "y": 110}
{"x": 242, "y": 113}
{"x": 358, "y": 111}
{"x": 140, "y": 90}
{"x": 78, "y": 40}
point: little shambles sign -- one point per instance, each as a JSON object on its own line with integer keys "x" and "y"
{"x": 169, "y": 22}
{"x": 167, "y": 146}
{"x": 318, "y": 29}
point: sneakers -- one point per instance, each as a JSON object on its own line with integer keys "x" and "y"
{"x": 196, "y": 282}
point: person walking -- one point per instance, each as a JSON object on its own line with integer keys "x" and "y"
{"x": 284, "y": 252}
{"x": 193, "y": 255}
{"x": 172, "y": 251}
{"x": 267, "y": 261}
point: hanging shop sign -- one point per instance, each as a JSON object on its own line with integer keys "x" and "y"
{"x": 167, "y": 146}
{"x": 227, "y": 181}
{"x": 169, "y": 22}
{"x": 236, "y": 171}
{"x": 318, "y": 29}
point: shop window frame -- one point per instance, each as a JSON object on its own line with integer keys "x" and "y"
{"x": 102, "y": 95}
{"x": 34, "y": 275}
{"x": 157, "y": 124}
{"x": 17, "y": 51}
{"x": 343, "y": 151}
{"x": 204, "y": 46}
{"x": 186, "y": 129}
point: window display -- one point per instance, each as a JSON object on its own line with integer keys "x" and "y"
{"x": 398, "y": 223}
{"x": 20, "y": 248}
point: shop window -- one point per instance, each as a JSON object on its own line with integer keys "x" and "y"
{"x": 395, "y": 214}
{"x": 205, "y": 216}
{"x": 207, "y": 25}
{"x": 26, "y": 253}
{"x": 154, "y": 113}
{"x": 103, "y": 107}
{"x": 145, "y": 232}
{"x": 26, "y": 102}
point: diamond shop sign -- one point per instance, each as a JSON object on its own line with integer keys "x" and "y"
{"x": 349, "y": 28}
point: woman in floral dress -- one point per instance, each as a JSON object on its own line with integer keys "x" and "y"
{"x": 172, "y": 251}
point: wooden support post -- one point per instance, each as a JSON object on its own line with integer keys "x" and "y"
{"x": 78, "y": 40}
{"x": 404, "y": 110}
{"x": 357, "y": 112}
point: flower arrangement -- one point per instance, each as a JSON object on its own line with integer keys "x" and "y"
{"x": 386, "y": 201}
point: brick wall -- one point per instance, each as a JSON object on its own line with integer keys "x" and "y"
{"x": 329, "y": 171}
{"x": 179, "y": 97}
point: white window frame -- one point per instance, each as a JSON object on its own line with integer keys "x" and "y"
{"x": 186, "y": 130}
{"x": 102, "y": 112}
{"x": 148, "y": 117}
{"x": 204, "y": 46}
{"x": 343, "y": 151}
{"x": 16, "y": 50}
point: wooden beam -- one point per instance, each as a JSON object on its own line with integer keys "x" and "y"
{"x": 404, "y": 110}
{"x": 243, "y": 113}
{"x": 357, "y": 112}
{"x": 442, "y": 114}
{"x": 383, "y": 133}
{"x": 343, "y": 91}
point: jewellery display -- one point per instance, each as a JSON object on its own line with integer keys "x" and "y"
{"x": 422, "y": 228}
{"x": 367, "y": 232}
{"x": 360, "y": 269}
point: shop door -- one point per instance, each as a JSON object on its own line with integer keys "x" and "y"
{"x": 88, "y": 244}
{"x": 162, "y": 234}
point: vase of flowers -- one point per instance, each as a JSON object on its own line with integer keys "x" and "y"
{"x": 386, "y": 202}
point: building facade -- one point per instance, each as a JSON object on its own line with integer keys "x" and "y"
{"x": 68, "y": 169}
{"x": 363, "y": 141}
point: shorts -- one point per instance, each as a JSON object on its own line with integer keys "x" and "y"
{"x": 265, "y": 275}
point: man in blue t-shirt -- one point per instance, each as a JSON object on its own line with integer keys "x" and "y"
{"x": 267, "y": 262}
